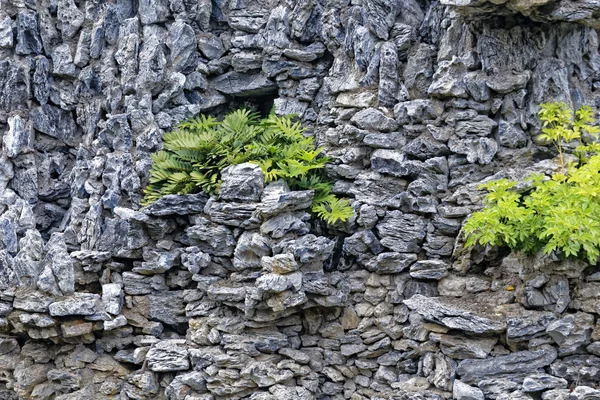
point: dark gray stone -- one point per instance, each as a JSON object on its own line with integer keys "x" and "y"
{"x": 460, "y": 316}
{"x": 523, "y": 362}
{"x": 243, "y": 85}
{"x": 55, "y": 122}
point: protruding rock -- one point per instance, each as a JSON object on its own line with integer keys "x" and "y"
{"x": 243, "y": 85}
{"x": 167, "y": 356}
{"x": 242, "y": 182}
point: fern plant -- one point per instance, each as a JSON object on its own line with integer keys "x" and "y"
{"x": 196, "y": 152}
{"x": 559, "y": 213}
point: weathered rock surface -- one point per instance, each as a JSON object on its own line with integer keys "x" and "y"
{"x": 244, "y": 295}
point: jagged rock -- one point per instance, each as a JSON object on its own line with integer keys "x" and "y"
{"x": 182, "y": 42}
{"x": 243, "y": 85}
{"x": 523, "y": 362}
{"x": 481, "y": 150}
{"x": 152, "y": 11}
{"x": 19, "y": 137}
{"x": 374, "y": 120}
{"x": 168, "y": 355}
{"x": 54, "y": 122}
{"x": 511, "y": 135}
{"x": 70, "y": 18}
{"x": 278, "y": 199}
{"x": 462, "y": 391}
{"x": 402, "y": 232}
{"x": 459, "y": 317}
{"x": 177, "y": 204}
{"x": 250, "y": 249}
{"x": 507, "y": 83}
{"x": 448, "y": 80}
{"x": 28, "y": 36}
{"x": 112, "y": 298}
{"x": 62, "y": 61}
{"x": 479, "y": 126}
{"x": 6, "y": 34}
{"x": 390, "y": 263}
{"x": 541, "y": 382}
{"x": 58, "y": 275}
{"x": 77, "y": 304}
{"x": 461, "y": 348}
{"x": 283, "y": 224}
{"x": 429, "y": 269}
{"x": 210, "y": 45}
{"x": 242, "y": 182}
{"x": 394, "y": 163}
{"x": 210, "y": 238}
{"x": 136, "y": 284}
{"x": 280, "y": 264}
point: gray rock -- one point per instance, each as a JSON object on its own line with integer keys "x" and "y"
{"x": 390, "y": 263}
{"x": 28, "y": 36}
{"x": 243, "y": 85}
{"x": 19, "y": 137}
{"x": 395, "y": 163}
{"x": 136, "y": 284}
{"x": 479, "y": 126}
{"x": 32, "y": 302}
{"x": 541, "y": 382}
{"x": 508, "y": 82}
{"x": 401, "y": 232}
{"x": 157, "y": 262}
{"x": 112, "y": 298}
{"x": 280, "y": 264}
{"x": 584, "y": 393}
{"x": 444, "y": 312}
{"x": 58, "y": 275}
{"x": 462, "y": 391}
{"x": 153, "y": 11}
{"x": 481, "y": 150}
{"x": 429, "y": 269}
{"x": 526, "y": 327}
{"x": 511, "y": 135}
{"x": 284, "y": 224}
{"x": 273, "y": 283}
{"x": 173, "y": 204}
{"x": 448, "y": 80}
{"x": 182, "y": 42}
{"x": 278, "y": 199}
{"x": 242, "y": 182}
{"x": 388, "y": 75}
{"x": 250, "y": 249}
{"x": 210, "y": 45}
{"x": 6, "y": 33}
{"x": 210, "y": 238}
{"x": 62, "y": 61}
{"x": 70, "y": 18}
{"x": 374, "y": 120}
{"x": 55, "y": 122}
{"x": 523, "y": 362}
{"x": 168, "y": 355}
{"x": 461, "y": 347}
{"x": 556, "y": 394}
{"x": 77, "y": 304}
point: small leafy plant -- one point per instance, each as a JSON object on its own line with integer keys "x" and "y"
{"x": 197, "y": 150}
{"x": 558, "y": 213}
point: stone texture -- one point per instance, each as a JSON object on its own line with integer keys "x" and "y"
{"x": 244, "y": 295}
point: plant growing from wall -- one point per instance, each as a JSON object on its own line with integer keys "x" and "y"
{"x": 560, "y": 213}
{"x": 197, "y": 150}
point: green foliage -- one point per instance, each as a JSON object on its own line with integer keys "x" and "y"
{"x": 197, "y": 150}
{"x": 558, "y": 213}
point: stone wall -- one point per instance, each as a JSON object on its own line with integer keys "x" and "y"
{"x": 245, "y": 296}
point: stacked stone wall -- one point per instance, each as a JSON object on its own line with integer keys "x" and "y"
{"x": 245, "y": 295}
